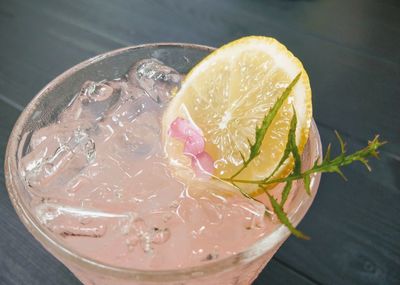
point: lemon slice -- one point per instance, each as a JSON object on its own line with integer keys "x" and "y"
{"x": 227, "y": 95}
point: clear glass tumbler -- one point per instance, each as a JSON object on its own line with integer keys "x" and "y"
{"x": 241, "y": 268}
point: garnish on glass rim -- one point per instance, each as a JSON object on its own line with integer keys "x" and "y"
{"x": 239, "y": 87}
{"x": 326, "y": 165}
{"x": 226, "y": 95}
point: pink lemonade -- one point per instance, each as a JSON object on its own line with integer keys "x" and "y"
{"x": 100, "y": 181}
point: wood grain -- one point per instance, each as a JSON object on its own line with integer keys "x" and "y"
{"x": 354, "y": 67}
{"x": 351, "y": 52}
{"x": 353, "y": 225}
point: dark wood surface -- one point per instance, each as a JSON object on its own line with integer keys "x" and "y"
{"x": 351, "y": 50}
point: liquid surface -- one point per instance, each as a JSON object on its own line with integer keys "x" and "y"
{"x": 100, "y": 181}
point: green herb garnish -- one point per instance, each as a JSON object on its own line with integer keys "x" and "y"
{"x": 291, "y": 151}
{"x": 262, "y": 130}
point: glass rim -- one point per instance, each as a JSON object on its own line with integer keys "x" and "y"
{"x": 61, "y": 251}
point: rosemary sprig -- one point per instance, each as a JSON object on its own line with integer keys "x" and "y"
{"x": 327, "y": 165}
{"x": 280, "y": 213}
{"x": 291, "y": 152}
{"x": 262, "y": 130}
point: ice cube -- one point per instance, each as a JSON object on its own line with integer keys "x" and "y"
{"x": 137, "y": 230}
{"x": 69, "y": 220}
{"x": 158, "y": 80}
{"x": 129, "y": 110}
{"x": 92, "y": 103}
{"x": 57, "y": 154}
{"x": 57, "y": 134}
{"x": 97, "y": 91}
{"x": 212, "y": 210}
{"x": 254, "y": 211}
{"x": 128, "y": 90}
{"x": 140, "y": 135}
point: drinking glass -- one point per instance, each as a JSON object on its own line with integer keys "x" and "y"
{"x": 240, "y": 268}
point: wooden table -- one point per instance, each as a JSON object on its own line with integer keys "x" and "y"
{"x": 351, "y": 50}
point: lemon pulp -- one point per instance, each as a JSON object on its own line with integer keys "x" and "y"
{"x": 228, "y": 94}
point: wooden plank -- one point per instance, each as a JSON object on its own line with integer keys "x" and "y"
{"x": 363, "y": 26}
{"x": 277, "y": 273}
{"x": 354, "y": 226}
{"x": 351, "y": 53}
{"x": 354, "y": 91}
{"x": 8, "y": 116}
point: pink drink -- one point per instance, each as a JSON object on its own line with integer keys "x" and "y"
{"x": 101, "y": 184}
